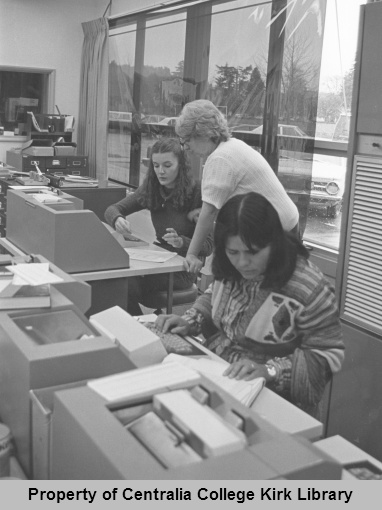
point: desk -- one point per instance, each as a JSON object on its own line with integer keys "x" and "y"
{"x": 109, "y": 287}
{"x": 101, "y": 280}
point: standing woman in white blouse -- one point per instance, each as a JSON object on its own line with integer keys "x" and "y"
{"x": 231, "y": 167}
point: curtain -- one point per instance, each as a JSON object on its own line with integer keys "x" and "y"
{"x": 93, "y": 108}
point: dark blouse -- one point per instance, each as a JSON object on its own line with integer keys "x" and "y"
{"x": 166, "y": 216}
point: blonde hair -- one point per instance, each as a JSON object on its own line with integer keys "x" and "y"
{"x": 202, "y": 119}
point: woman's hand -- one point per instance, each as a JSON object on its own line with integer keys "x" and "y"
{"x": 172, "y": 323}
{"x": 192, "y": 264}
{"x": 122, "y": 226}
{"x": 247, "y": 370}
{"x": 194, "y": 215}
{"x": 172, "y": 238}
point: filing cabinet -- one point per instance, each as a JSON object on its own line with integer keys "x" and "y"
{"x": 57, "y": 164}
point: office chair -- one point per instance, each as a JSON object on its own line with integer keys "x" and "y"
{"x": 158, "y": 299}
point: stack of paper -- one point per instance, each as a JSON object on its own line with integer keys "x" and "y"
{"x": 80, "y": 181}
{"x": 244, "y": 391}
{"x": 29, "y": 287}
{"x": 150, "y": 255}
{"x": 143, "y": 382}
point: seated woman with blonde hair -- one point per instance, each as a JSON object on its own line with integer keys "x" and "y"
{"x": 273, "y": 312}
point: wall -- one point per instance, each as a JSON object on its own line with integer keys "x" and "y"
{"x": 47, "y": 34}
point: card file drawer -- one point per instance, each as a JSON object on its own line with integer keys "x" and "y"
{"x": 59, "y": 165}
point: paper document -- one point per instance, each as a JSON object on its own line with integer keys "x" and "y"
{"x": 33, "y": 274}
{"x": 244, "y": 391}
{"x": 148, "y": 317}
{"x": 150, "y": 255}
{"x": 46, "y": 198}
{"x": 144, "y": 381}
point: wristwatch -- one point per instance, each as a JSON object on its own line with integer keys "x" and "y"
{"x": 272, "y": 372}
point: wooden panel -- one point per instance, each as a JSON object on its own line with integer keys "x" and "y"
{"x": 355, "y": 409}
{"x": 370, "y": 90}
{"x": 370, "y": 144}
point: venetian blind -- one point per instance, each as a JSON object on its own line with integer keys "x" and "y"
{"x": 362, "y": 303}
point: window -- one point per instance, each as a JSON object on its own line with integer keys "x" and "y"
{"x": 23, "y": 90}
{"x": 333, "y": 118}
{"x": 280, "y": 70}
{"x": 121, "y": 104}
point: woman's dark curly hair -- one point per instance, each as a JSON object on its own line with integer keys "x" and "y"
{"x": 151, "y": 197}
{"x": 257, "y": 223}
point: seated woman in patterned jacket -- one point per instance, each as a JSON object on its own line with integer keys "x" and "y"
{"x": 273, "y": 312}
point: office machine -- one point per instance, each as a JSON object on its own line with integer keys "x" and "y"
{"x": 356, "y": 464}
{"x": 71, "y": 237}
{"x": 42, "y": 408}
{"x": 78, "y": 292}
{"x": 41, "y": 348}
{"x": 182, "y": 429}
{"x": 141, "y": 345}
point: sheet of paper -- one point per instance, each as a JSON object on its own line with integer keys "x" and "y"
{"x": 148, "y": 317}
{"x": 33, "y": 274}
{"x": 46, "y": 198}
{"x": 150, "y": 255}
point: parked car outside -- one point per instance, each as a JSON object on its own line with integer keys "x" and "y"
{"x": 320, "y": 181}
{"x": 164, "y": 127}
{"x": 284, "y": 130}
{"x": 168, "y": 121}
{"x": 120, "y": 120}
{"x": 149, "y": 122}
{"x": 243, "y": 127}
{"x": 153, "y": 119}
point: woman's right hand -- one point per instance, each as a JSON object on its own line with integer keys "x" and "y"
{"x": 192, "y": 264}
{"x": 173, "y": 324}
{"x": 122, "y": 226}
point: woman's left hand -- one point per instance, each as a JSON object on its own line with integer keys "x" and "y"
{"x": 246, "y": 369}
{"x": 172, "y": 238}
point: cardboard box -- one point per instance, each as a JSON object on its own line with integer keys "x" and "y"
{"x": 65, "y": 149}
{"x": 42, "y": 407}
{"x": 41, "y": 147}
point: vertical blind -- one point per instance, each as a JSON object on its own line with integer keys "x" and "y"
{"x": 362, "y": 303}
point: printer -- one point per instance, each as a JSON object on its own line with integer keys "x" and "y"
{"x": 167, "y": 421}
